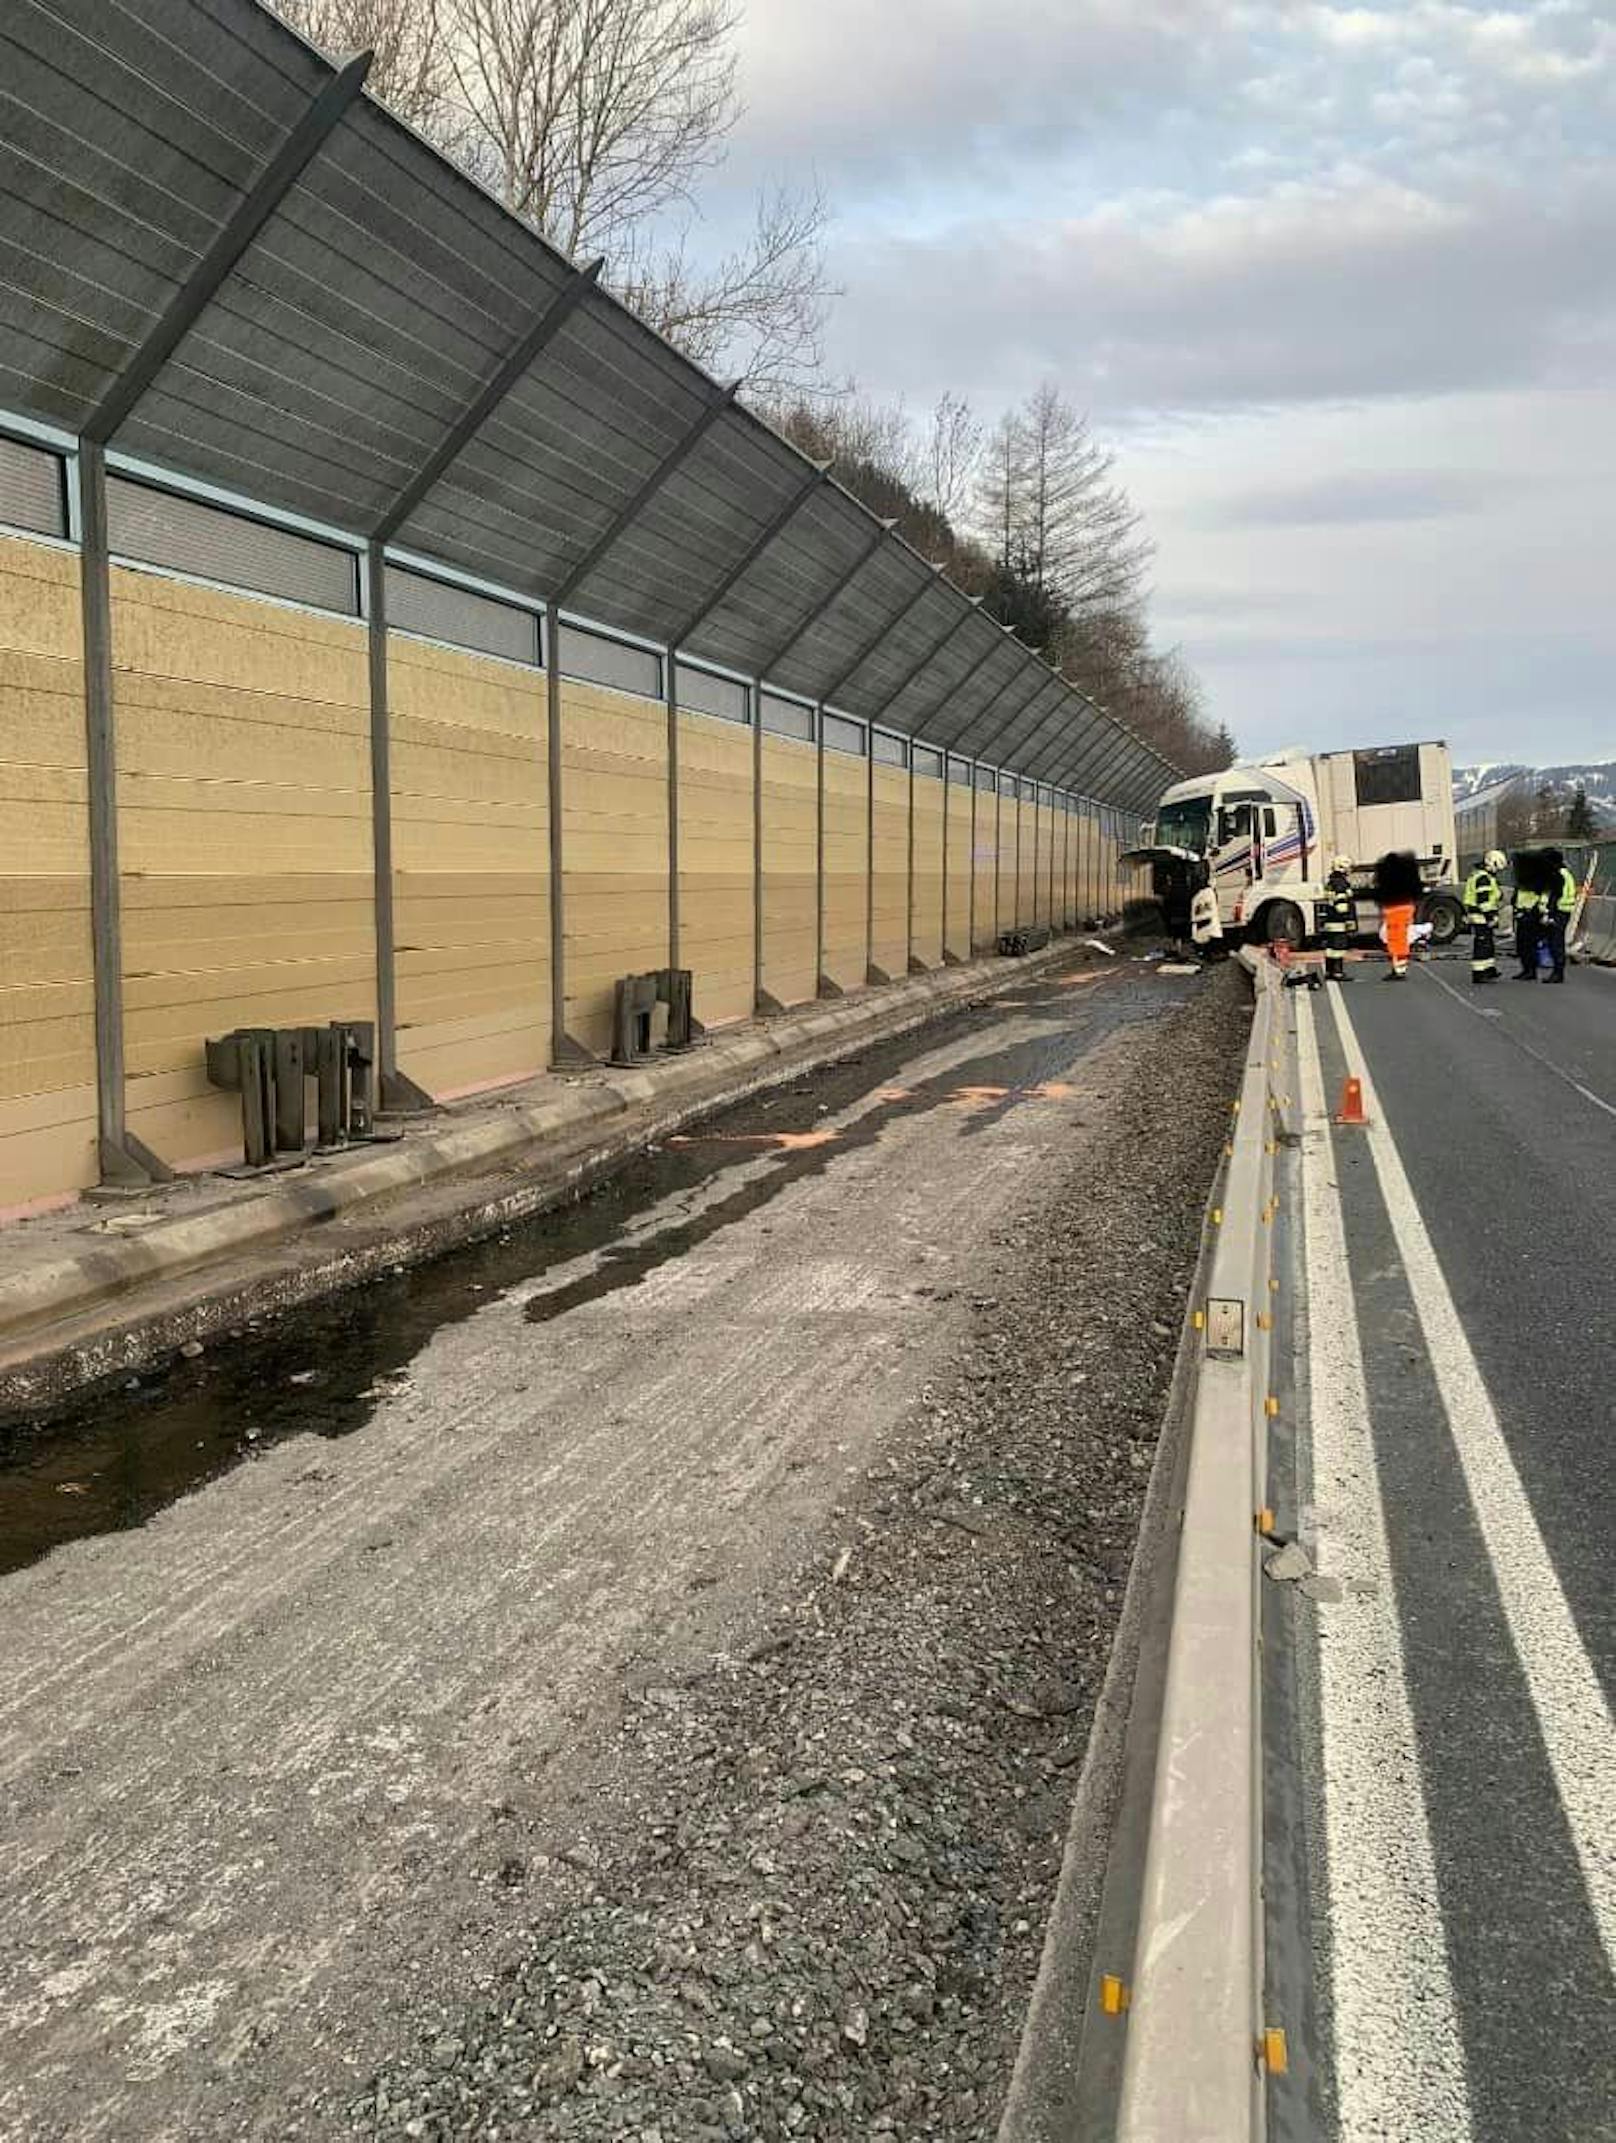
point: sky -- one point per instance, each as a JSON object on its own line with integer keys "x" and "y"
{"x": 1337, "y": 283}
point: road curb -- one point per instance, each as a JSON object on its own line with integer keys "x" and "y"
{"x": 1064, "y": 2084}
{"x": 37, "y": 1303}
{"x": 1178, "y": 2051}
{"x": 1196, "y": 2058}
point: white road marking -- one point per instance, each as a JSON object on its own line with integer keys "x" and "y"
{"x": 1578, "y": 1733}
{"x": 1389, "y": 1960}
{"x": 1521, "y": 1043}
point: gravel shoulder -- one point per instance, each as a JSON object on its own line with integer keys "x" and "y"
{"x": 655, "y": 1714}
{"x": 808, "y": 1882}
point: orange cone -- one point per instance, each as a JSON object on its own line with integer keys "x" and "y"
{"x": 1351, "y": 1110}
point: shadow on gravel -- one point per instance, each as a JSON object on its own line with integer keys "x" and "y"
{"x": 118, "y": 1456}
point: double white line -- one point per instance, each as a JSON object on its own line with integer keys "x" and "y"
{"x": 1388, "y": 1951}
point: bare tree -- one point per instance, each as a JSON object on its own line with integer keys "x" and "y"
{"x": 1002, "y": 491}
{"x": 952, "y": 451}
{"x": 1077, "y": 530}
{"x": 590, "y": 116}
{"x": 758, "y": 315}
{"x": 593, "y": 119}
{"x": 409, "y": 71}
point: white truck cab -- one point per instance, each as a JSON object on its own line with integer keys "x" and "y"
{"x": 1241, "y": 856}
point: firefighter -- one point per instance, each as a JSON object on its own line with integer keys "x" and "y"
{"x": 1397, "y": 888}
{"x": 1340, "y": 918}
{"x": 1483, "y": 896}
{"x": 1559, "y": 901}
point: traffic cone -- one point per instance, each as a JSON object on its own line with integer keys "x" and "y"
{"x": 1351, "y": 1110}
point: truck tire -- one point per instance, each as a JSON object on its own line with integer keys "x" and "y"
{"x": 1445, "y": 916}
{"x": 1282, "y": 924}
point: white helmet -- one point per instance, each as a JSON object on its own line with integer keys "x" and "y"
{"x": 1341, "y": 863}
{"x": 1496, "y": 860}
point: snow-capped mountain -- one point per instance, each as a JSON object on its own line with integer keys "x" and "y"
{"x": 1597, "y": 777}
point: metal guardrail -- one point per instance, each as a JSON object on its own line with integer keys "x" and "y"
{"x": 1197, "y": 2054}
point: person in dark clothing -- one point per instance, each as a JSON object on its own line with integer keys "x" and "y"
{"x": 1531, "y": 884}
{"x": 1558, "y": 905}
{"x": 1340, "y": 912}
{"x": 1397, "y": 888}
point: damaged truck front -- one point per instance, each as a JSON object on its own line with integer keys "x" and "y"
{"x": 1240, "y": 856}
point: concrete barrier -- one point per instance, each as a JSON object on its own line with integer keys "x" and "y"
{"x": 70, "y": 1318}
{"x": 1596, "y": 939}
{"x": 1194, "y": 2064}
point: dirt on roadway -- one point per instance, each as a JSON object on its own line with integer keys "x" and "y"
{"x": 658, "y": 1718}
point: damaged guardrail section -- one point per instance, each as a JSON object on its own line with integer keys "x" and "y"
{"x": 1197, "y": 2055}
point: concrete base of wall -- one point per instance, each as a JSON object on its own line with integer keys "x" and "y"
{"x": 83, "y": 1300}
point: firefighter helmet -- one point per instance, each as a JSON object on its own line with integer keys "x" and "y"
{"x": 1341, "y": 863}
{"x": 1496, "y": 860}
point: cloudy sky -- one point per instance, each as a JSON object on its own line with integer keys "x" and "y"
{"x": 1339, "y": 283}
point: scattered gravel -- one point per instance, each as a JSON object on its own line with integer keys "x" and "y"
{"x": 806, "y": 1896}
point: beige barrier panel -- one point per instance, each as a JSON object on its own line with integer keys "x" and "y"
{"x": 926, "y": 893}
{"x": 245, "y": 841}
{"x": 715, "y": 865}
{"x": 47, "y": 1008}
{"x": 984, "y": 872}
{"x": 471, "y": 877}
{"x": 961, "y": 873}
{"x": 889, "y": 936}
{"x": 1071, "y": 859}
{"x": 614, "y": 829}
{"x": 790, "y": 870}
{"x": 843, "y": 953}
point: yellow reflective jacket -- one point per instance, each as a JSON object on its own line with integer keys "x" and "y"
{"x": 1482, "y": 895}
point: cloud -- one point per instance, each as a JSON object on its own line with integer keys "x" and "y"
{"x": 1347, "y": 497}
{"x": 1339, "y": 280}
{"x": 1495, "y": 631}
{"x": 1342, "y": 287}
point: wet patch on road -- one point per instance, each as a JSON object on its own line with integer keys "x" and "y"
{"x": 117, "y": 1457}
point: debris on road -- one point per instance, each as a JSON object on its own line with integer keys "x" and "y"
{"x": 823, "y": 1881}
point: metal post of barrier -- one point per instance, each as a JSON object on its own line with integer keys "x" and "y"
{"x": 290, "y": 1114}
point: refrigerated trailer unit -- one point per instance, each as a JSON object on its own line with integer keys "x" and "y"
{"x": 1241, "y": 856}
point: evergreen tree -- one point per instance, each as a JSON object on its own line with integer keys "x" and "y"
{"x": 1579, "y": 825}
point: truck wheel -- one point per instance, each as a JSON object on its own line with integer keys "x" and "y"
{"x": 1444, "y": 915}
{"x": 1283, "y": 925}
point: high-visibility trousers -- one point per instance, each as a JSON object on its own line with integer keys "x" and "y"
{"x": 1483, "y": 949}
{"x": 1399, "y": 920}
{"x": 1335, "y": 948}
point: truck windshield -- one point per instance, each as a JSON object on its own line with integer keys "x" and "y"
{"x": 1184, "y": 824}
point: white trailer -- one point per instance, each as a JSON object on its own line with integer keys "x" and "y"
{"x": 1241, "y": 856}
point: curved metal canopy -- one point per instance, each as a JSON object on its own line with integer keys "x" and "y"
{"x": 219, "y": 255}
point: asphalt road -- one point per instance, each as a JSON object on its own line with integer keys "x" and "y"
{"x": 1457, "y": 1386}
{"x": 264, "y": 1749}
